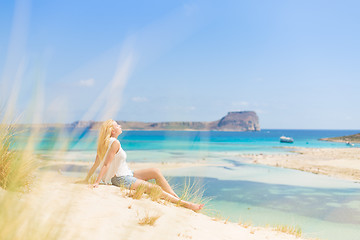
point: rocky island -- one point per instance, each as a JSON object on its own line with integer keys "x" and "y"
{"x": 233, "y": 121}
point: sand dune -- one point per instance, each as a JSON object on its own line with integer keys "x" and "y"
{"x": 108, "y": 213}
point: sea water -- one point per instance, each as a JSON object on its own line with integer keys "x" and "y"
{"x": 321, "y": 206}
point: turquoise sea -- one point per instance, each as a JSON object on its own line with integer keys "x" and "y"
{"x": 323, "y": 207}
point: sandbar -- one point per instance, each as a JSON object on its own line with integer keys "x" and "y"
{"x": 343, "y": 163}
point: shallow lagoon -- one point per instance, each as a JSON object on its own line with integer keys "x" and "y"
{"x": 321, "y": 206}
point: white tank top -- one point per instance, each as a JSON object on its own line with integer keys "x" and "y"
{"x": 118, "y": 166}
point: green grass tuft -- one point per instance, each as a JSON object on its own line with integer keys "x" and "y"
{"x": 16, "y": 166}
{"x": 138, "y": 192}
{"x": 194, "y": 192}
{"x": 19, "y": 219}
{"x": 155, "y": 193}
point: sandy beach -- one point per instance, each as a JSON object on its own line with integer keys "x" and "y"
{"x": 341, "y": 163}
{"x": 107, "y": 212}
{"x": 77, "y": 211}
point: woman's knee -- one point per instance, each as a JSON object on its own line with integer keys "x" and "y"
{"x": 156, "y": 171}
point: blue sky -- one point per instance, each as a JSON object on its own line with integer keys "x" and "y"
{"x": 296, "y": 63}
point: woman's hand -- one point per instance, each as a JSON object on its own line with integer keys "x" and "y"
{"x": 95, "y": 185}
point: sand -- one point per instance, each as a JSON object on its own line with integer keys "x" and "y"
{"x": 341, "y": 163}
{"x": 108, "y": 213}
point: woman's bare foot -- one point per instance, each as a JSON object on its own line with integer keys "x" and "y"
{"x": 195, "y": 207}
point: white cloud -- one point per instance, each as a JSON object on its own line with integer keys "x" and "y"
{"x": 139, "y": 99}
{"x": 86, "y": 83}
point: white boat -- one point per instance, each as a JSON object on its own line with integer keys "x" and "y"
{"x": 284, "y": 139}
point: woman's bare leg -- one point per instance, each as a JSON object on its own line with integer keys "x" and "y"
{"x": 167, "y": 196}
{"x": 154, "y": 173}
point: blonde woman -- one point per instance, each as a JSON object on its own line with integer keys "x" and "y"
{"x": 113, "y": 167}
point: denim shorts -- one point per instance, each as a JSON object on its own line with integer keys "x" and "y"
{"x": 123, "y": 181}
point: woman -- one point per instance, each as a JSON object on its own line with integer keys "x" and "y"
{"x": 114, "y": 169}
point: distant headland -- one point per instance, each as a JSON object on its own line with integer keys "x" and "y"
{"x": 355, "y": 138}
{"x": 233, "y": 121}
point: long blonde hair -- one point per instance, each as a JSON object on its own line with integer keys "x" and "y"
{"x": 104, "y": 138}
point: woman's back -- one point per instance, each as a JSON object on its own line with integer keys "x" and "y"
{"x": 118, "y": 165}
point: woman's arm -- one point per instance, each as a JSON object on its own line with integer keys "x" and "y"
{"x": 93, "y": 168}
{"x": 91, "y": 171}
{"x": 109, "y": 157}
